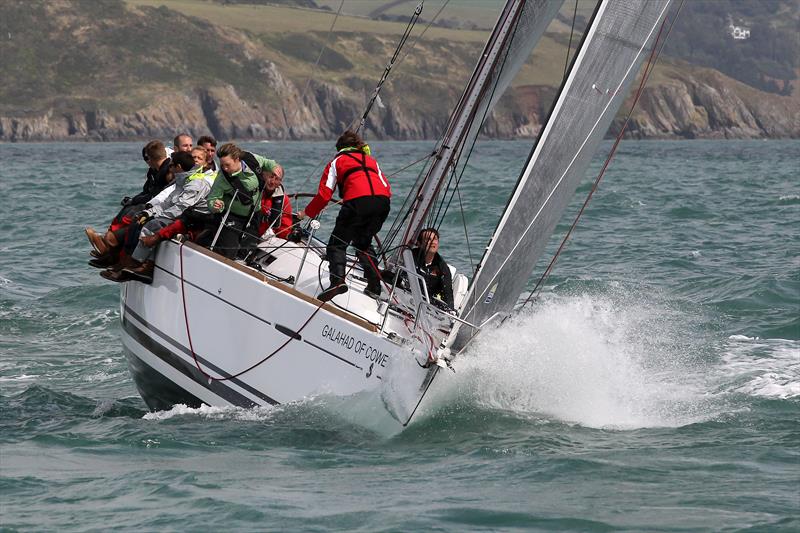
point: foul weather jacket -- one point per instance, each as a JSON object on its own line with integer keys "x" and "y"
{"x": 154, "y": 182}
{"x": 437, "y": 276}
{"x": 223, "y": 190}
{"x": 355, "y": 173}
{"x": 191, "y": 189}
{"x": 276, "y": 211}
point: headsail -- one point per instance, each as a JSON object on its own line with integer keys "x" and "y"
{"x": 519, "y": 27}
{"x": 616, "y": 42}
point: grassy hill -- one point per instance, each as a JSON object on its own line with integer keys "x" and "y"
{"x": 112, "y": 69}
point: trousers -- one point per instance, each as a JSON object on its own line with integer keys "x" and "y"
{"x": 359, "y": 220}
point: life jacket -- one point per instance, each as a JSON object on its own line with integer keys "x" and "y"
{"x": 276, "y": 207}
{"x": 244, "y": 195}
{"x": 252, "y": 163}
{"x": 358, "y": 175}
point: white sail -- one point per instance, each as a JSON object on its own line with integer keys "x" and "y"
{"x": 614, "y": 46}
{"x": 520, "y": 26}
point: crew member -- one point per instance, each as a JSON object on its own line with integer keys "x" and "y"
{"x": 106, "y": 246}
{"x": 276, "y": 210}
{"x": 182, "y": 143}
{"x": 209, "y": 144}
{"x": 433, "y": 267}
{"x": 236, "y": 189}
{"x": 365, "y": 193}
{"x": 191, "y": 188}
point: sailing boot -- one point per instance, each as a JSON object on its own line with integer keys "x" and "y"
{"x": 143, "y": 272}
{"x": 124, "y": 261}
{"x": 373, "y": 291}
{"x": 97, "y": 240}
{"x": 105, "y": 260}
{"x": 373, "y": 288}
{"x": 117, "y": 276}
{"x": 337, "y": 274}
{"x": 332, "y": 291}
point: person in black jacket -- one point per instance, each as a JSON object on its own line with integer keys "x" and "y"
{"x": 433, "y": 267}
{"x": 159, "y": 176}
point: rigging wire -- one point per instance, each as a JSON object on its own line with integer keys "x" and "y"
{"x": 403, "y": 213}
{"x": 321, "y": 51}
{"x": 430, "y": 23}
{"x": 654, "y": 54}
{"x": 409, "y": 27}
{"x": 376, "y": 92}
{"x": 569, "y": 46}
{"x": 466, "y": 232}
{"x": 423, "y": 158}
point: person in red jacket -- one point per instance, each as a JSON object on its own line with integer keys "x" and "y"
{"x": 365, "y": 194}
{"x": 276, "y": 210}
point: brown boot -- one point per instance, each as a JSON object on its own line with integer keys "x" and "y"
{"x": 105, "y": 260}
{"x": 118, "y": 276}
{"x": 143, "y": 272}
{"x": 111, "y": 239}
{"x": 125, "y": 261}
{"x": 97, "y": 241}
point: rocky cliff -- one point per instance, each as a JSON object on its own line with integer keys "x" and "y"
{"x": 711, "y": 105}
{"x": 104, "y": 85}
{"x": 682, "y": 108}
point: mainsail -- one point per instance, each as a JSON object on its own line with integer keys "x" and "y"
{"x": 616, "y": 42}
{"x": 520, "y": 26}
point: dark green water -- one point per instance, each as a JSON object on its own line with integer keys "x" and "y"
{"x": 654, "y": 387}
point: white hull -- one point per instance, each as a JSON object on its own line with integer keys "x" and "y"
{"x": 240, "y": 318}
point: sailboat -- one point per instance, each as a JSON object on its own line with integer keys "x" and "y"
{"x": 210, "y": 330}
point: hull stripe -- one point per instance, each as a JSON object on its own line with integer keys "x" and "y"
{"x": 187, "y": 368}
{"x": 158, "y": 392}
{"x": 320, "y": 348}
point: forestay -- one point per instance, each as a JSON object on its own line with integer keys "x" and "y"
{"x": 616, "y": 42}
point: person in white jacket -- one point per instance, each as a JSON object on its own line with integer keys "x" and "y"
{"x": 191, "y": 188}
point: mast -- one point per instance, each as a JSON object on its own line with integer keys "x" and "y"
{"x": 519, "y": 27}
{"x": 614, "y": 46}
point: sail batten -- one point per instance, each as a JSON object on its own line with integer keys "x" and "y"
{"x": 610, "y": 55}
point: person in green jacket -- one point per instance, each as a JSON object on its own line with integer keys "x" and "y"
{"x": 237, "y": 188}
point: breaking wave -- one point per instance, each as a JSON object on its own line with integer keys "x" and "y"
{"x": 611, "y": 361}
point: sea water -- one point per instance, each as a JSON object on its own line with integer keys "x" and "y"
{"x": 653, "y": 385}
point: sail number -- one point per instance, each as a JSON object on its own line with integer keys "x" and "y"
{"x": 356, "y": 346}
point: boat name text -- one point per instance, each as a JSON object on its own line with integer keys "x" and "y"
{"x": 354, "y": 345}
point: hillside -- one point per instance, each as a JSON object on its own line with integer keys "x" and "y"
{"x": 113, "y": 70}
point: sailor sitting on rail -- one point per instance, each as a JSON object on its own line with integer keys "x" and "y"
{"x": 196, "y": 222}
{"x": 107, "y": 246}
{"x": 191, "y": 188}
